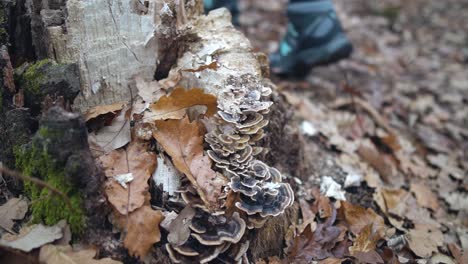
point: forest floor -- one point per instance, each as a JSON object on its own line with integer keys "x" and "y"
{"x": 404, "y": 90}
{"x": 383, "y": 173}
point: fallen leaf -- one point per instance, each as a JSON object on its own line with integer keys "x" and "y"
{"x": 102, "y": 110}
{"x": 183, "y": 141}
{"x": 357, "y": 218}
{"x": 176, "y": 104}
{"x": 391, "y": 141}
{"x": 51, "y": 254}
{"x": 402, "y": 204}
{"x": 13, "y": 209}
{"x": 365, "y": 241}
{"x": 314, "y": 245}
{"x": 371, "y": 257}
{"x": 459, "y": 255}
{"x": 424, "y": 196}
{"x": 371, "y": 155}
{"x": 142, "y": 230}
{"x": 391, "y": 201}
{"x": 440, "y": 258}
{"x": 308, "y": 216}
{"x": 364, "y": 246}
{"x": 331, "y": 261}
{"x": 136, "y": 159}
{"x": 114, "y": 136}
{"x": 423, "y": 240}
{"x": 179, "y": 229}
{"x": 323, "y": 242}
{"x": 447, "y": 165}
{"x": 149, "y": 91}
{"x": 32, "y": 237}
{"x": 456, "y": 200}
{"x": 322, "y": 205}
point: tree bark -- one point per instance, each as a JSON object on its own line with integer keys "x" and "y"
{"x": 112, "y": 42}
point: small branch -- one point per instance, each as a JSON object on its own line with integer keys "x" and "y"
{"x": 38, "y": 182}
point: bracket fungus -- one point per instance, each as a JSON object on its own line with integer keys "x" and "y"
{"x": 259, "y": 193}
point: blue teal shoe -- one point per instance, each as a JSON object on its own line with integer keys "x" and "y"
{"x": 314, "y": 37}
{"x": 231, "y": 5}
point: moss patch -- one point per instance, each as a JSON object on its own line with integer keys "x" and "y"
{"x": 33, "y": 77}
{"x": 46, "y": 206}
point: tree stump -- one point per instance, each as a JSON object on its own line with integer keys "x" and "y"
{"x": 113, "y": 42}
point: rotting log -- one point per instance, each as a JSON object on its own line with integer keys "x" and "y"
{"x": 112, "y": 42}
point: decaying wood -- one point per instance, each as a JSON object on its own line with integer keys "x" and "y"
{"x": 113, "y": 42}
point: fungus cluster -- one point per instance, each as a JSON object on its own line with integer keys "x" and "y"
{"x": 258, "y": 188}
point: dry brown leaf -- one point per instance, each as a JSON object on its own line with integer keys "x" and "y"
{"x": 424, "y": 195}
{"x": 114, "y": 136}
{"x": 136, "y": 160}
{"x": 149, "y": 91}
{"x": 391, "y": 201}
{"x": 176, "y": 104}
{"x": 364, "y": 246}
{"x": 357, "y": 218}
{"x": 459, "y": 255}
{"x": 183, "y": 141}
{"x": 308, "y": 216}
{"x": 322, "y": 205}
{"x": 424, "y": 239}
{"x": 331, "y": 261}
{"x": 142, "y": 230}
{"x": 32, "y": 237}
{"x": 13, "y": 209}
{"x": 179, "y": 229}
{"x": 51, "y": 254}
{"x": 365, "y": 241}
{"x": 102, "y": 110}
{"x": 379, "y": 162}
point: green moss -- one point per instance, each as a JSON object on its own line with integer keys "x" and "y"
{"x": 46, "y": 206}
{"x": 33, "y": 77}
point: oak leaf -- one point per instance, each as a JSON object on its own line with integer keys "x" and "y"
{"x": 51, "y": 254}
{"x": 357, "y": 218}
{"x": 424, "y": 196}
{"x": 142, "y": 230}
{"x": 183, "y": 141}
{"x": 325, "y": 241}
{"x": 364, "y": 246}
{"x": 175, "y": 105}
{"x": 136, "y": 160}
{"x": 114, "y": 136}
{"x": 102, "y": 110}
{"x": 13, "y": 209}
{"x": 424, "y": 239}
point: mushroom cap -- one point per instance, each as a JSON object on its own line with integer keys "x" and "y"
{"x": 265, "y": 202}
{"x": 230, "y": 231}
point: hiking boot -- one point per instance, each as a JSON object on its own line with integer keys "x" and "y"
{"x": 231, "y": 5}
{"x": 314, "y": 37}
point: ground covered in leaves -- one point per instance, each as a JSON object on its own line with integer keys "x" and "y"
{"x": 394, "y": 116}
{"x": 385, "y": 154}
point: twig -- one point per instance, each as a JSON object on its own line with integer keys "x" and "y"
{"x": 368, "y": 108}
{"x": 38, "y": 182}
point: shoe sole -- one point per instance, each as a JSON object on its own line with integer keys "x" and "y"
{"x": 301, "y": 63}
